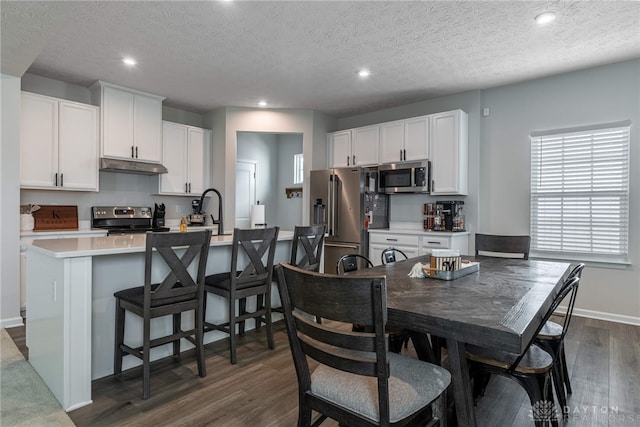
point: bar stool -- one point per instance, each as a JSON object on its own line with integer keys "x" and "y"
{"x": 258, "y": 250}
{"x": 179, "y": 291}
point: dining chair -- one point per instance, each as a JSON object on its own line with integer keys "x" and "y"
{"x": 531, "y": 369}
{"x": 255, "y": 249}
{"x": 389, "y": 255}
{"x": 178, "y": 292}
{"x": 397, "y": 337}
{"x": 505, "y": 246}
{"x": 551, "y": 338}
{"x": 349, "y": 262}
{"x": 356, "y": 381}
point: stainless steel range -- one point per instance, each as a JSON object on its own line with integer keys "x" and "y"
{"x": 123, "y": 219}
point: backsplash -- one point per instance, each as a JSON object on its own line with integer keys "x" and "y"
{"x": 115, "y": 189}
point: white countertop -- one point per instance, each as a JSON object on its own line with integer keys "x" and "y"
{"x": 415, "y": 232}
{"x": 110, "y": 245}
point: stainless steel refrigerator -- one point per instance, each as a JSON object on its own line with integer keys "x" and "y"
{"x": 347, "y": 202}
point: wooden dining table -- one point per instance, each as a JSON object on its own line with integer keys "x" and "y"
{"x": 499, "y": 306}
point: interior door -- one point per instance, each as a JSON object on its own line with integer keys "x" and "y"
{"x": 245, "y": 192}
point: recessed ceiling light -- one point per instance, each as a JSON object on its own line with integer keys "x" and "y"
{"x": 262, "y": 103}
{"x": 129, "y": 61}
{"x": 545, "y": 18}
{"x": 364, "y": 73}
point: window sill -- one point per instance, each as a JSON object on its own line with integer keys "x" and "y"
{"x": 589, "y": 260}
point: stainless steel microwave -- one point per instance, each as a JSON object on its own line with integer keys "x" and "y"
{"x": 408, "y": 177}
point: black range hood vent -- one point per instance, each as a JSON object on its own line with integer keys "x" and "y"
{"x": 130, "y": 166}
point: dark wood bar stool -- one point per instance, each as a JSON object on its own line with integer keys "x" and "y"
{"x": 177, "y": 293}
{"x": 306, "y": 249}
{"x": 257, "y": 249}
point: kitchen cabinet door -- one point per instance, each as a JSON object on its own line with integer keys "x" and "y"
{"x": 58, "y": 144}
{"x": 416, "y": 138}
{"x": 364, "y": 147}
{"x": 147, "y": 120}
{"x": 38, "y": 141}
{"x": 392, "y": 142}
{"x": 340, "y": 147}
{"x": 197, "y": 159}
{"x": 117, "y": 123}
{"x": 174, "y": 154}
{"x": 78, "y": 147}
{"x": 185, "y": 152}
{"x": 449, "y": 153}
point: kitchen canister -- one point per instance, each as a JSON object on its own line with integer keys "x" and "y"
{"x": 26, "y": 222}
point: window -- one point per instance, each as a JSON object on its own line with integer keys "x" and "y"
{"x": 298, "y": 169}
{"x": 580, "y": 193}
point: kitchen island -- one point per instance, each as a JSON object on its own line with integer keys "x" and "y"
{"x": 71, "y": 308}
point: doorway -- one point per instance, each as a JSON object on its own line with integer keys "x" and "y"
{"x": 245, "y": 192}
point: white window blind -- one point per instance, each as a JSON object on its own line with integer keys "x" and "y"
{"x": 580, "y": 193}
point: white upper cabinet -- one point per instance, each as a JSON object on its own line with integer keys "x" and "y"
{"x": 404, "y": 140}
{"x": 186, "y": 156}
{"x": 58, "y": 144}
{"x": 131, "y": 123}
{"x": 449, "y": 152}
{"x": 355, "y": 147}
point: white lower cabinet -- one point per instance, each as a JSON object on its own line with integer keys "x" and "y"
{"x": 378, "y": 242}
{"x": 415, "y": 243}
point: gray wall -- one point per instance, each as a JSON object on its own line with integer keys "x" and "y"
{"x": 499, "y": 165}
{"x": 273, "y": 154}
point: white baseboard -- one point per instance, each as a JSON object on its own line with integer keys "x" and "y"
{"x": 11, "y": 323}
{"x": 611, "y": 317}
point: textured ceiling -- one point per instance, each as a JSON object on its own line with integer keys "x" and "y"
{"x": 202, "y": 55}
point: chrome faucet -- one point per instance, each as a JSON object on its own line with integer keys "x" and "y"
{"x": 214, "y": 221}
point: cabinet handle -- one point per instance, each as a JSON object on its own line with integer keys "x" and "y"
{"x": 185, "y": 188}
{"x": 132, "y": 156}
{"x": 347, "y": 160}
{"x": 56, "y": 182}
{"x": 433, "y": 185}
{"x": 434, "y": 243}
{"x": 61, "y": 180}
{"x": 404, "y": 152}
{"x": 354, "y": 160}
{"x": 189, "y": 187}
{"x": 136, "y": 152}
{"x": 392, "y": 240}
{"x": 400, "y": 155}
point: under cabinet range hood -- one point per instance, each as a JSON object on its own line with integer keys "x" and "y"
{"x": 131, "y": 166}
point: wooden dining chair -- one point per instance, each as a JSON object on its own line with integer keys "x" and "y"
{"x": 356, "y": 381}
{"x": 551, "y": 338}
{"x": 531, "y": 369}
{"x": 178, "y": 292}
{"x": 389, "y": 255}
{"x": 397, "y": 337}
{"x": 504, "y": 246}
{"x": 254, "y": 279}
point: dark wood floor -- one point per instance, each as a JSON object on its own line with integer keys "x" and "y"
{"x": 261, "y": 390}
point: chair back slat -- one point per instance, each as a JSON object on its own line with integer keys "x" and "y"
{"x": 506, "y": 245}
{"x": 307, "y": 245}
{"x": 359, "y": 341}
{"x": 179, "y": 282}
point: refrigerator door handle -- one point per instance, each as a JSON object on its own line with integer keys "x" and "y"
{"x": 329, "y": 206}
{"x": 341, "y": 245}
{"x": 335, "y": 182}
